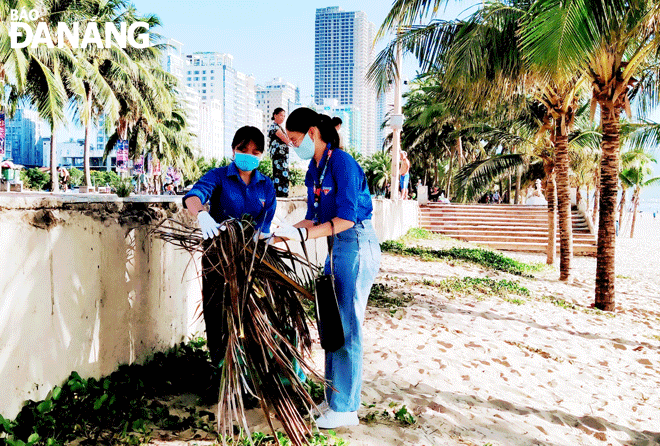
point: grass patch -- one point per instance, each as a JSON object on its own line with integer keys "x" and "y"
{"x": 481, "y": 287}
{"x": 621, "y": 276}
{"x": 394, "y": 413}
{"x": 133, "y": 405}
{"x": 418, "y": 234}
{"x": 385, "y": 296}
{"x": 561, "y": 303}
{"x": 478, "y": 256}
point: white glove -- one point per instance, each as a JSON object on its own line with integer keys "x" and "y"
{"x": 208, "y": 226}
{"x": 291, "y": 233}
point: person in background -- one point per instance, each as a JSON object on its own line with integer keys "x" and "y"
{"x": 278, "y": 149}
{"x": 337, "y": 122}
{"x": 404, "y": 171}
{"x": 63, "y": 173}
{"x": 496, "y": 197}
{"x": 233, "y": 191}
{"x": 338, "y": 201}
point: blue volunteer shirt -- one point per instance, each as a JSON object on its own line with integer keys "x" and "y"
{"x": 344, "y": 192}
{"x": 230, "y": 197}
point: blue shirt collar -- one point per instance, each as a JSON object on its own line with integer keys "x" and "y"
{"x": 232, "y": 171}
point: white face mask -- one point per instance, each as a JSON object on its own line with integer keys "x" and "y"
{"x": 306, "y": 148}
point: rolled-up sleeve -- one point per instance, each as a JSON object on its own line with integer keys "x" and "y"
{"x": 347, "y": 178}
{"x": 271, "y": 207}
{"x": 204, "y": 188}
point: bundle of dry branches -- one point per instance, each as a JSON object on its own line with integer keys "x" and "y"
{"x": 266, "y": 323}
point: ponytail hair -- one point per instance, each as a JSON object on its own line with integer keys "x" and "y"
{"x": 301, "y": 119}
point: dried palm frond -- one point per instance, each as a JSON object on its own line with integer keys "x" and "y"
{"x": 266, "y": 325}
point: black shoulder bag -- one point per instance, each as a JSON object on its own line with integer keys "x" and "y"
{"x": 328, "y": 318}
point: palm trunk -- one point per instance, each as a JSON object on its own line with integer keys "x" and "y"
{"x": 609, "y": 184}
{"x": 518, "y": 198}
{"x": 508, "y": 190}
{"x": 449, "y": 174}
{"x": 88, "y": 129}
{"x": 635, "y": 201}
{"x": 622, "y": 205}
{"x": 596, "y": 197}
{"x": 563, "y": 204}
{"x": 54, "y": 177}
{"x": 551, "y": 197}
{"x": 459, "y": 152}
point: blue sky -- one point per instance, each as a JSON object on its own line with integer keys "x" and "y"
{"x": 267, "y": 38}
{"x": 276, "y": 39}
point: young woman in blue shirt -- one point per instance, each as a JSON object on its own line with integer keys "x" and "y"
{"x": 232, "y": 191}
{"x": 337, "y": 190}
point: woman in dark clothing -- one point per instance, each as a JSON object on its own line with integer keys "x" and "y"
{"x": 278, "y": 150}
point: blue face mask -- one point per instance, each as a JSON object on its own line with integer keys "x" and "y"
{"x": 306, "y": 148}
{"x": 246, "y": 162}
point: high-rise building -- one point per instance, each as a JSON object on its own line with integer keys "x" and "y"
{"x": 384, "y": 108}
{"x": 274, "y": 94}
{"x": 343, "y": 54}
{"x": 213, "y": 77}
{"x": 23, "y": 132}
{"x": 350, "y": 132}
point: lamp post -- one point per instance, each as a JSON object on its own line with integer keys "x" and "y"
{"x": 396, "y": 124}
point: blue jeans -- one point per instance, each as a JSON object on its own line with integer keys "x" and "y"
{"x": 356, "y": 259}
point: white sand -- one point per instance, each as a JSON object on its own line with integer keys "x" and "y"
{"x": 477, "y": 372}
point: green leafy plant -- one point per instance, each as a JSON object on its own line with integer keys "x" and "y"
{"x": 481, "y": 286}
{"x": 404, "y": 417}
{"x": 482, "y": 257}
{"x": 124, "y": 187}
{"x": 384, "y": 296}
{"x": 34, "y": 178}
{"x": 75, "y": 177}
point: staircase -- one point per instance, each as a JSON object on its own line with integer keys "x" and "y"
{"x": 503, "y": 226}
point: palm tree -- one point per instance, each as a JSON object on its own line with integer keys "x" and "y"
{"x": 484, "y": 63}
{"x": 635, "y": 177}
{"x": 613, "y": 42}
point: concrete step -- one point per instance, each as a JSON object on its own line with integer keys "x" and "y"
{"x": 581, "y": 250}
{"x": 495, "y": 225}
{"x": 494, "y": 217}
{"x": 482, "y": 235}
{"x": 522, "y": 238}
{"x": 504, "y": 227}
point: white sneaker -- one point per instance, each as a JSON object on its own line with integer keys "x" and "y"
{"x": 320, "y": 409}
{"x": 333, "y": 420}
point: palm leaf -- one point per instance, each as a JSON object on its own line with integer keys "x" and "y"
{"x": 266, "y": 323}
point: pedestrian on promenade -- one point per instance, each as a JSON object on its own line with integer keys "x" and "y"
{"x": 404, "y": 171}
{"x": 496, "y": 197}
{"x": 278, "y": 149}
{"x": 338, "y": 201}
{"x": 337, "y": 122}
{"x": 232, "y": 191}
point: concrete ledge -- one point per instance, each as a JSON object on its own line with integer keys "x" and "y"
{"x": 85, "y": 287}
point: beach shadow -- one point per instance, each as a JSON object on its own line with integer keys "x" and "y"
{"x": 489, "y": 315}
{"x": 444, "y": 402}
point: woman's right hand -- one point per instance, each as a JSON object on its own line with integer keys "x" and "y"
{"x": 210, "y": 228}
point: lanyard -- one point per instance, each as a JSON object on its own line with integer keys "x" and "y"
{"x": 317, "y": 186}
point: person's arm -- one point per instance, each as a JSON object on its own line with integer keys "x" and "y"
{"x": 194, "y": 205}
{"x": 282, "y": 136}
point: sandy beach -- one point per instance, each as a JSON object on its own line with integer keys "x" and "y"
{"x": 544, "y": 369}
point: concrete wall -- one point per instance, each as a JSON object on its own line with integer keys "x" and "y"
{"x": 84, "y": 287}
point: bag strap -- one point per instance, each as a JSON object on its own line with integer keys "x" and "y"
{"x": 331, "y": 245}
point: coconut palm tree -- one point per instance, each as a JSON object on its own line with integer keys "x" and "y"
{"x": 614, "y": 42}
{"x": 483, "y": 61}
{"x": 636, "y": 177}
